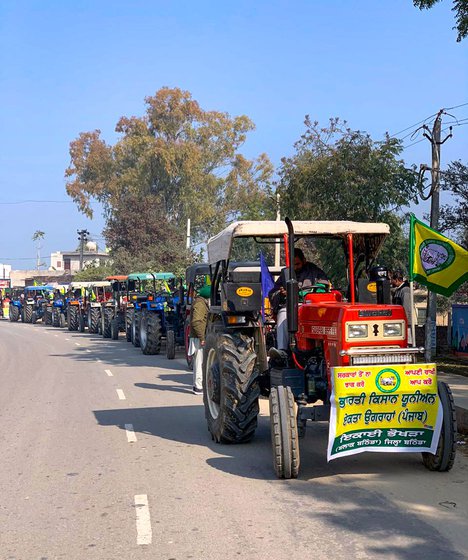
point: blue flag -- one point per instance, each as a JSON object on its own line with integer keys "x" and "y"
{"x": 267, "y": 285}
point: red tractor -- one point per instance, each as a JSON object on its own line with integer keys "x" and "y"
{"x": 344, "y": 336}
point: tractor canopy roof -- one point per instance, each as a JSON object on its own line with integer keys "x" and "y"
{"x": 38, "y": 288}
{"x": 371, "y": 235}
{"x": 151, "y": 276}
{"x": 199, "y": 269}
{"x": 100, "y": 284}
{"x": 76, "y": 285}
{"x": 118, "y": 278}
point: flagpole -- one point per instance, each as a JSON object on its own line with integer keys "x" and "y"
{"x": 413, "y": 324}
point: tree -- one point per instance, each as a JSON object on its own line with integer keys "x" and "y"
{"x": 184, "y": 159}
{"x": 37, "y": 237}
{"x": 460, "y": 7}
{"x": 342, "y": 174}
{"x": 454, "y": 217}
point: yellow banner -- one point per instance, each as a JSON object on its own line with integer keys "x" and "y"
{"x": 392, "y": 408}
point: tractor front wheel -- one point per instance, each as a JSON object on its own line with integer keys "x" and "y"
{"x": 106, "y": 323}
{"x": 72, "y": 318}
{"x": 128, "y": 325}
{"x": 114, "y": 326}
{"x": 445, "y": 454}
{"x": 170, "y": 344}
{"x": 94, "y": 316}
{"x": 136, "y": 330}
{"x": 230, "y": 387}
{"x": 28, "y": 312}
{"x": 81, "y": 321}
{"x": 284, "y": 437}
{"x": 150, "y": 333}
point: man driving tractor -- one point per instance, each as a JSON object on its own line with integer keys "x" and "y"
{"x": 307, "y": 274}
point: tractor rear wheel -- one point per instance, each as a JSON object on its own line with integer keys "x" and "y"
{"x": 230, "y": 387}
{"x": 28, "y": 311}
{"x": 170, "y": 344}
{"x": 128, "y": 325}
{"x": 284, "y": 437}
{"x": 445, "y": 455}
{"x": 136, "y": 330}
{"x": 72, "y": 318}
{"x": 150, "y": 333}
{"x": 187, "y": 343}
{"x": 114, "y": 327}
{"x": 94, "y": 317}
{"x": 106, "y": 323}
{"x": 14, "y": 313}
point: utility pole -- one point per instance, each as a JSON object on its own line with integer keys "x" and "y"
{"x": 83, "y": 237}
{"x": 188, "y": 234}
{"x": 277, "y": 243}
{"x": 434, "y": 138}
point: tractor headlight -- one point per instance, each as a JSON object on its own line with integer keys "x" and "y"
{"x": 358, "y": 331}
{"x": 393, "y": 329}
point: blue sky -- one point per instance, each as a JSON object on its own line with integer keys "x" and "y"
{"x": 68, "y": 66}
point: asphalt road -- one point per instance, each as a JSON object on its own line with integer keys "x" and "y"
{"x": 105, "y": 454}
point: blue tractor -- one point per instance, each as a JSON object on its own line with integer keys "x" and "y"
{"x": 35, "y": 300}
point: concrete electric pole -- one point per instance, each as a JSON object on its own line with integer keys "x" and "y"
{"x": 434, "y": 138}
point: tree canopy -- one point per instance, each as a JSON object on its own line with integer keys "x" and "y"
{"x": 460, "y": 7}
{"x": 341, "y": 174}
{"x": 455, "y": 216}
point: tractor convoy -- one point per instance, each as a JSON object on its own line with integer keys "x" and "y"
{"x": 348, "y": 360}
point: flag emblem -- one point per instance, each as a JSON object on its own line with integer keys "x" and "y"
{"x": 436, "y": 255}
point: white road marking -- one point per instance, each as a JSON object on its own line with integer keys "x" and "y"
{"x": 143, "y": 520}
{"x": 108, "y": 371}
{"x": 55, "y": 334}
{"x": 67, "y": 339}
{"x": 88, "y": 350}
{"x": 131, "y": 437}
{"x": 121, "y": 394}
{"x": 77, "y": 344}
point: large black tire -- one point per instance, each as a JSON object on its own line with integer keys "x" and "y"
{"x": 150, "y": 333}
{"x": 27, "y": 313}
{"x": 106, "y": 322}
{"x": 445, "y": 455}
{"x": 284, "y": 436}
{"x": 55, "y": 317}
{"x": 230, "y": 387}
{"x": 94, "y": 316}
{"x": 114, "y": 329}
{"x": 187, "y": 343}
{"x": 47, "y": 316}
{"x": 128, "y": 324}
{"x": 136, "y": 330}
{"x": 72, "y": 318}
{"x": 170, "y": 344}
{"x": 14, "y": 313}
{"x": 81, "y": 321}
{"x": 33, "y": 317}
{"x": 62, "y": 320}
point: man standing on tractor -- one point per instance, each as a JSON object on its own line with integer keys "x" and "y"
{"x": 198, "y": 320}
{"x": 307, "y": 274}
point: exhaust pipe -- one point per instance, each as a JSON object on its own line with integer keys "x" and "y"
{"x": 292, "y": 288}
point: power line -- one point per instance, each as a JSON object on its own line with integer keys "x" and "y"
{"x": 412, "y": 126}
{"x": 456, "y": 106}
{"x": 42, "y": 202}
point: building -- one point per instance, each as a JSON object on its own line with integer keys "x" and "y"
{"x": 69, "y": 261}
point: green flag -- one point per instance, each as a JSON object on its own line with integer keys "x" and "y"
{"x": 436, "y": 261}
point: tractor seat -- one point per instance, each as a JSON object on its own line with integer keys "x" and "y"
{"x": 332, "y": 296}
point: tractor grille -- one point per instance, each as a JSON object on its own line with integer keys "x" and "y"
{"x": 376, "y": 359}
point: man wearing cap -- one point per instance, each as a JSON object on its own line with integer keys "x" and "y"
{"x": 198, "y": 320}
